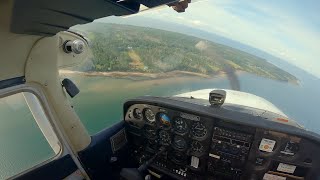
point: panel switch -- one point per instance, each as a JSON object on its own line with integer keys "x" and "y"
{"x": 194, "y": 162}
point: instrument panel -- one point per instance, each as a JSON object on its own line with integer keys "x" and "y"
{"x": 179, "y": 131}
{"x": 209, "y": 147}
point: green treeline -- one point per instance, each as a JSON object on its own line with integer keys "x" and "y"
{"x": 140, "y": 49}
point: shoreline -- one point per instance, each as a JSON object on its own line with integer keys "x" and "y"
{"x": 138, "y": 76}
{"x": 142, "y": 76}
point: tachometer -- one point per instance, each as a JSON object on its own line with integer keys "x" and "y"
{"x": 196, "y": 147}
{"x": 179, "y": 142}
{"x": 149, "y": 115}
{"x": 164, "y": 138}
{"x": 180, "y": 125}
{"x": 199, "y": 130}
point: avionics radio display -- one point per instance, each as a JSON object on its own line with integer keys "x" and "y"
{"x": 228, "y": 153}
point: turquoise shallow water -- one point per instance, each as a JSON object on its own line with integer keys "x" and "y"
{"x": 21, "y": 141}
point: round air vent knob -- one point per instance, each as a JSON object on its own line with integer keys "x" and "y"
{"x": 76, "y": 46}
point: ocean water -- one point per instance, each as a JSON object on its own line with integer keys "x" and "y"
{"x": 22, "y": 144}
{"x": 99, "y": 103}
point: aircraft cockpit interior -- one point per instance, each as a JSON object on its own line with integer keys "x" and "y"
{"x": 159, "y": 90}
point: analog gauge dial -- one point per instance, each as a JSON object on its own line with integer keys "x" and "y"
{"x": 180, "y": 125}
{"x": 165, "y": 120}
{"x": 150, "y": 132}
{"x": 149, "y": 115}
{"x": 164, "y": 138}
{"x": 137, "y": 113}
{"x": 178, "y": 157}
{"x": 199, "y": 130}
{"x": 179, "y": 142}
{"x": 196, "y": 147}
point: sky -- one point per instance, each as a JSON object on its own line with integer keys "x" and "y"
{"x": 288, "y": 29}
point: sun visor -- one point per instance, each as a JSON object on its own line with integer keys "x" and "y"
{"x": 48, "y": 17}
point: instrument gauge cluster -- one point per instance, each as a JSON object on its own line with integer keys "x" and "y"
{"x": 186, "y": 144}
{"x": 181, "y": 131}
{"x": 183, "y": 135}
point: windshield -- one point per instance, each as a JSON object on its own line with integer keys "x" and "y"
{"x": 265, "y": 48}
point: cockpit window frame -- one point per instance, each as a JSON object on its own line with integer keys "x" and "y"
{"x": 23, "y": 88}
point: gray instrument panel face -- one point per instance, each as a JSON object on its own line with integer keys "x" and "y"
{"x": 178, "y": 124}
{"x": 271, "y": 153}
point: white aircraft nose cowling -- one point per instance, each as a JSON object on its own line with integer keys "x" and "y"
{"x": 238, "y": 98}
